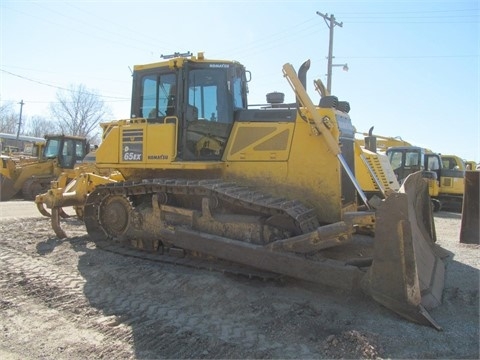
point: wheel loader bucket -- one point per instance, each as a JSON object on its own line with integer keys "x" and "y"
{"x": 470, "y": 228}
{"x": 7, "y": 191}
{"x": 407, "y": 273}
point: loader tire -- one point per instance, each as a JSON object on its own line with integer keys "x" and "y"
{"x": 7, "y": 190}
{"x": 31, "y": 188}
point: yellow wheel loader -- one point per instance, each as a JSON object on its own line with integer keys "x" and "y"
{"x": 31, "y": 178}
{"x": 200, "y": 173}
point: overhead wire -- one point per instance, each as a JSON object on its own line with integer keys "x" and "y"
{"x": 61, "y": 87}
{"x": 266, "y": 41}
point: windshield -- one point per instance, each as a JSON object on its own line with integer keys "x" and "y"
{"x": 206, "y": 92}
{"x": 51, "y": 148}
{"x": 216, "y": 92}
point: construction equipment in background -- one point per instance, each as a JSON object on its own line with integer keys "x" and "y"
{"x": 32, "y": 177}
{"x": 31, "y": 152}
{"x": 11, "y": 143}
{"x": 446, "y": 185}
{"x": 470, "y": 165}
{"x": 443, "y": 173}
{"x": 453, "y": 162}
{"x": 374, "y": 172}
{"x": 202, "y": 174}
{"x": 380, "y": 143}
{"x": 470, "y": 226}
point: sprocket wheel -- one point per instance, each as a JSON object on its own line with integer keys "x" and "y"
{"x": 115, "y": 215}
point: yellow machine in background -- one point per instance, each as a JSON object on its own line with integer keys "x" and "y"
{"x": 33, "y": 176}
{"x": 374, "y": 172}
{"x": 446, "y": 185}
{"x": 31, "y": 152}
{"x": 273, "y": 188}
{"x": 470, "y": 165}
{"x": 380, "y": 143}
{"x": 443, "y": 173}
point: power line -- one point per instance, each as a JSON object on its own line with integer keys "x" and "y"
{"x": 60, "y": 87}
{"x": 363, "y": 13}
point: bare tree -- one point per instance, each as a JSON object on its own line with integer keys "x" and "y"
{"x": 79, "y": 111}
{"x": 8, "y": 119}
{"x": 38, "y": 126}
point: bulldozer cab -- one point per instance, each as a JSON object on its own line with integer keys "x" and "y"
{"x": 68, "y": 150}
{"x": 194, "y": 100}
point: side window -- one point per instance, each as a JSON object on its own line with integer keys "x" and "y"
{"x": 411, "y": 159}
{"x": 395, "y": 158}
{"x": 68, "y": 154}
{"x": 433, "y": 163}
{"x": 166, "y": 95}
{"x": 79, "y": 149}
{"x": 158, "y": 95}
{"x": 51, "y": 150}
{"x": 237, "y": 94}
{"x": 149, "y": 96}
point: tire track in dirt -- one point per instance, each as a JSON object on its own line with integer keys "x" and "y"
{"x": 44, "y": 283}
{"x": 57, "y": 292}
{"x": 214, "y": 334}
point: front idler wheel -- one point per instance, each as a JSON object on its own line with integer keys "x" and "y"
{"x": 115, "y": 215}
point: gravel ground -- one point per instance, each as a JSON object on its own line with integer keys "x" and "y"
{"x": 67, "y": 299}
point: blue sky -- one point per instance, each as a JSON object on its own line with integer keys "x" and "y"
{"x": 414, "y": 67}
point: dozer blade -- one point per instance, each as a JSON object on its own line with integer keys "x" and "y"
{"x": 407, "y": 273}
{"x": 470, "y": 228}
{"x": 56, "y": 223}
{"x": 7, "y": 191}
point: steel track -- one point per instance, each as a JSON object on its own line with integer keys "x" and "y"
{"x": 241, "y": 197}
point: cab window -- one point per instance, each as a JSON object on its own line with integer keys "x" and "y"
{"x": 158, "y": 96}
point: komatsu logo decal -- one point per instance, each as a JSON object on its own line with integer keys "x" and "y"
{"x": 219, "y": 65}
{"x": 158, "y": 157}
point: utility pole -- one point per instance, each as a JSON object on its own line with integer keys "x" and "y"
{"x": 331, "y": 23}
{"x": 19, "y": 123}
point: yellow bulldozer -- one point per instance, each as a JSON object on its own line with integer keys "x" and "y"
{"x": 33, "y": 176}
{"x": 200, "y": 173}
